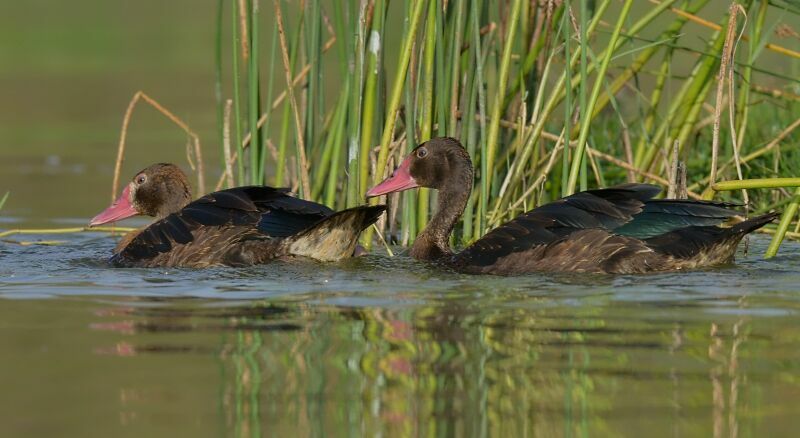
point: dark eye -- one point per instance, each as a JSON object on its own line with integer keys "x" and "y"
{"x": 141, "y": 179}
{"x": 422, "y": 153}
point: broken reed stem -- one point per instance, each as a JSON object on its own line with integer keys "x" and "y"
{"x": 648, "y": 175}
{"x": 301, "y": 147}
{"x": 194, "y": 140}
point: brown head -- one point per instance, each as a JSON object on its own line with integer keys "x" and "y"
{"x": 158, "y": 191}
{"x": 442, "y": 164}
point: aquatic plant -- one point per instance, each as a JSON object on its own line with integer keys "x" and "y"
{"x": 3, "y": 200}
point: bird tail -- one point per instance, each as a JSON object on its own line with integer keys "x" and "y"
{"x": 336, "y": 236}
{"x": 707, "y": 245}
{"x": 749, "y": 225}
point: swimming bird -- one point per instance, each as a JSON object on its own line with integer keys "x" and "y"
{"x": 235, "y": 227}
{"x": 621, "y": 229}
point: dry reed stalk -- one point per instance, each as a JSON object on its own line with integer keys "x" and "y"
{"x": 543, "y": 175}
{"x": 677, "y": 175}
{"x": 626, "y": 142}
{"x": 304, "y": 179}
{"x": 763, "y": 151}
{"x": 273, "y": 151}
{"x": 638, "y": 171}
{"x": 243, "y": 28}
{"x": 111, "y": 230}
{"x": 703, "y": 22}
{"x": 725, "y": 64}
{"x": 774, "y": 92}
{"x": 194, "y": 140}
{"x": 226, "y": 143}
{"x": 735, "y": 9}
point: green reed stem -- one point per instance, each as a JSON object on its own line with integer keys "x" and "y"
{"x": 480, "y": 222}
{"x": 397, "y": 90}
{"x": 314, "y": 91}
{"x": 336, "y": 144}
{"x": 253, "y": 86}
{"x": 584, "y": 23}
{"x": 369, "y": 109}
{"x": 218, "y": 80}
{"x": 356, "y": 73}
{"x": 426, "y": 125}
{"x": 586, "y": 114}
{"x": 494, "y": 126}
{"x": 756, "y": 183}
{"x": 237, "y": 123}
{"x": 394, "y": 98}
{"x": 565, "y": 158}
{"x": 783, "y": 225}
{"x": 286, "y": 121}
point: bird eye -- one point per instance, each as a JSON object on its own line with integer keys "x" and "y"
{"x": 422, "y": 153}
{"x": 141, "y": 179}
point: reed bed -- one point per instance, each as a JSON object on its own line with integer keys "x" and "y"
{"x": 549, "y": 97}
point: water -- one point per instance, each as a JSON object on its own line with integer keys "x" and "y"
{"x": 378, "y": 345}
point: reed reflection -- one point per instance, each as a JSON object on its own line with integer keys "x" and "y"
{"x": 454, "y": 367}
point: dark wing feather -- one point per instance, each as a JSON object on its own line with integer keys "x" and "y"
{"x": 177, "y": 229}
{"x": 663, "y": 216}
{"x": 627, "y": 210}
{"x": 603, "y": 208}
{"x": 280, "y": 223}
{"x": 279, "y": 199}
{"x": 686, "y": 243}
{"x": 229, "y": 200}
{"x": 269, "y": 211}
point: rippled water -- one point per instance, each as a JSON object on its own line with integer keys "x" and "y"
{"x": 382, "y": 345}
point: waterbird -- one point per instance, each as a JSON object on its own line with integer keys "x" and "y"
{"x": 235, "y": 227}
{"x": 617, "y": 230}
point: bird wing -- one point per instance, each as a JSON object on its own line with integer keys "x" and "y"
{"x": 627, "y": 210}
{"x": 262, "y": 212}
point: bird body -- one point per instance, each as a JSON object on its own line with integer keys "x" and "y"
{"x": 235, "y": 227}
{"x": 620, "y": 230}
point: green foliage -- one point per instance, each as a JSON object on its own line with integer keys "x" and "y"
{"x": 546, "y": 100}
{"x": 3, "y": 200}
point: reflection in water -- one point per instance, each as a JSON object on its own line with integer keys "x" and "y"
{"x": 457, "y": 367}
{"x": 379, "y": 346}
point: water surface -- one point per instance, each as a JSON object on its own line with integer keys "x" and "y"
{"x": 378, "y": 345}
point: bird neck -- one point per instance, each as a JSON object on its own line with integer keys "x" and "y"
{"x": 434, "y": 241}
